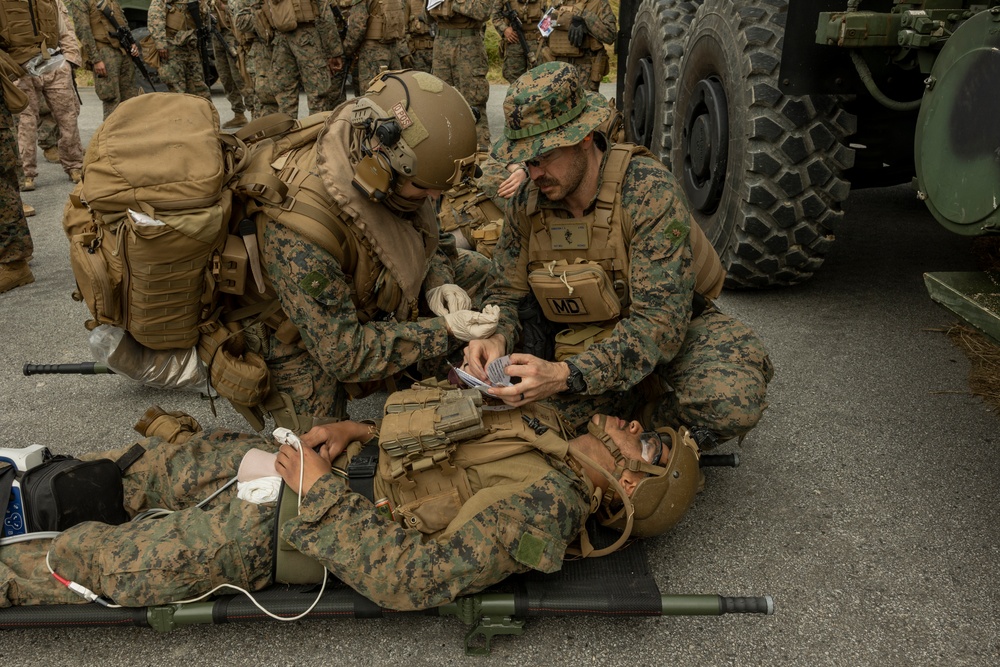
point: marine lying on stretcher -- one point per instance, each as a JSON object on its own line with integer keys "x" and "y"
{"x": 439, "y": 500}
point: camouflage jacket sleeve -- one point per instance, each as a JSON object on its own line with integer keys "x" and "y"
{"x": 508, "y": 280}
{"x": 600, "y": 20}
{"x": 329, "y": 35}
{"x": 156, "y": 19}
{"x": 80, "y": 12}
{"x": 499, "y": 17}
{"x": 440, "y": 270}
{"x": 315, "y": 294}
{"x": 400, "y": 569}
{"x": 357, "y": 26}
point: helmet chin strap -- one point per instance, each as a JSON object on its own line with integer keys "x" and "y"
{"x": 587, "y": 550}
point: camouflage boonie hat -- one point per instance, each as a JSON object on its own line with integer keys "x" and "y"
{"x": 544, "y": 109}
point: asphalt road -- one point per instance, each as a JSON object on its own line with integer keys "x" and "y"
{"x": 865, "y": 504}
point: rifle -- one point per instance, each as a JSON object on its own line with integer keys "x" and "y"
{"x": 338, "y": 15}
{"x": 204, "y": 33}
{"x": 127, "y": 41}
{"x": 213, "y": 24}
{"x": 515, "y": 23}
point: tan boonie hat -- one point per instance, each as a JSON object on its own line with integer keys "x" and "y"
{"x": 544, "y": 109}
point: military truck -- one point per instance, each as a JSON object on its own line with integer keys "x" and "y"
{"x": 770, "y": 111}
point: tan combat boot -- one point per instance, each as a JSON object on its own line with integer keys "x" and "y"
{"x": 174, "y": 427}
{"x": 29, "y": 210}
{"x": 28, "y": 185}
{"x": 75, "y": 175}
{"x": 237, "y": 121}
{"x": 51, "y": 154}
{"x": 14, "y": 275}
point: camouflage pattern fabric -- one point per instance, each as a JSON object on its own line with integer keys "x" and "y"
{"x": 602, "y": 27}
{"x": 182, "y": 69}
{"x": 716, "y": 366}
{"x": 57, "y": 88}
{"x": 300, "y": 57}
{"x": 369, "y": 55}
{"x": 119, "y": 83}
{"x": 419, "y": 40}
{"x": 515, "y": 61}
{"x": 228, "y": 67}
{"x": 547, "y": 92}
{"x": 15, "y": 238}
{"x": 257, "y": 58}
{"x": 48, "y": 131}
{"x": 461, "y": 60}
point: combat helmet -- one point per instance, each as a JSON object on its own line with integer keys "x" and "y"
{"x": 415, "y": 126}
{"x": 547, "y": 108}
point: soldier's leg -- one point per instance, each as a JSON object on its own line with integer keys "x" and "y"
{"x": 15, "y": 239}
{"x": 718, "y": 378}
{"x": 310, "y": 59}
{"x": 260, "y": 56}
{"x": 194, "y": 73}
{"x": 229, "y": 74}
{"x": 515, "y": 63}
{"x": 127, "y": 73}
{"x": 48, "y": 131}
{"x": 65, "y": 108}
{"x": 314, "y": 393}
{"x": 27, "y": 129}
{"x": 284, "y": 75}
{"x": 109, "y": 87}
{"x": 471, "y": 68}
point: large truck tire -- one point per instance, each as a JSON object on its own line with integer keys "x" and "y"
{"x": 762, "y": 171}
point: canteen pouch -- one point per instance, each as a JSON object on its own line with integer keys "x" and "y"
{"x": 575, "y": 293}
{"x": 65, "y": 491}
{"x": 282, "y": 14}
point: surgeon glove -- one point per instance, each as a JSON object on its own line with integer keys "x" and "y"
{"x": 466, "y": 325}
{"x": 448, "y": 298}
{"x": 577, "y": 31}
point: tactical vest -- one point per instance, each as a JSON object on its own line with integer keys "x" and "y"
{"x": 558, "y": 42}
{"x": 286, "y": 15}
{"x": 461, "y": 14}
{"x": 178, "y": 18}
{"x": 417, "y": 24}
{"x": 578, "y": 268}
{"x": 530, "y": 13}
{"x": 470, "y": 211}
{"x": 223, "y": 16}
{"x": 101, "y": 27}
{"x": 386, "y": 21}
{"x": 27, "y": 27}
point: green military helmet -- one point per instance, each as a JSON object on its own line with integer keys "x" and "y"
{"x": 547, "y": 108}
{"x": 421, "y": 125}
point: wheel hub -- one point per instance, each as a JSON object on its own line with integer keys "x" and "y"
{"x": 643, "y": 104}
{"x": 706, "y": 145}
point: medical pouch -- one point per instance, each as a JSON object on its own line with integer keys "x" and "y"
{"x": 65, "y": 491}
{"x": 282, "y": 15}
{"x": 575, "y": 293}
{"x": 575, "y": 340}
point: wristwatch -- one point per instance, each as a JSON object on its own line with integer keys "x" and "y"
{"x": 575, "y": 384}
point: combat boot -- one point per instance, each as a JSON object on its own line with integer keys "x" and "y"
{"x": 51, "y": 154}
{"x": 28, "y": 185}
{"x": 237, "y": 121}
{"x": 29, "y": 210}
{"x": 174, "y": 427}
{"x": 75, "y": 175}
{"x": 14, "y": 275}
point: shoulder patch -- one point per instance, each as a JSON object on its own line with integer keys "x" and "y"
{"x": 675, "y": 234}
{"x": 530, "y": 550}
{"x": 314, "y": 283}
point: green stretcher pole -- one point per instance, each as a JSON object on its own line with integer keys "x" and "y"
{"x": 83, "y": 368}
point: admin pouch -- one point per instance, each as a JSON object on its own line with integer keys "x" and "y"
{"x": 579, "y": 292}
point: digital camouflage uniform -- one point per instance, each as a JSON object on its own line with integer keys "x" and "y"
{"x": 591, "y": 58}
{"x": 15, "y": 238}
{"x": 255, "y": 38}
{"x": 56, "y": 87}
{"x": 419, "y": 39}
{"x": 714, "y": 369}
{"x": 239, "y": 94}
{"x": 173, "y": 30}
{"x": 300, "y": 56}
{"x": 515, "y": 61}
{"x": 521, "y": 516}
{"x": 460, "y": 54}
{"x": 376, "y": 32}
{"x": 99, "y": 47}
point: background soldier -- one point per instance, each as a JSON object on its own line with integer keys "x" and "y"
{"x": 255, "y": 33}
{"x": 419, "y": 36}
{"x": 460, "y": 55}
{"x": 114, "y": 73}
{"x": 376, "y": 32}
{"x": 306, "y": 51}
{"x": 528, "y": 12}
{"x": 174, "y": 30}
{"x": 581, "y": 29}
{"x": 58, "y": 89}
{"x": 227, "y": 65}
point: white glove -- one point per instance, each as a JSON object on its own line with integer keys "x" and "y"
{"x": 466, "y": 325}
{"x": 449, "y": 298}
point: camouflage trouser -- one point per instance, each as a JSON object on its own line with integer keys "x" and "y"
{"x": 259, "y": 67}
{"x": 57, "y": 88}
{"x": 156, "y": 561}
{"x": 514, "y": 62}
{"x": 423, "y": 59}
{"x": 372, "y": 56}
{"x": 314, "y": 392}
{"x": 228, "y": 67}
{"x": 48, "y": 131}
{"x": 182, "y": 70}
{"x": 718, "y": 381}
{"x": 119, "y": 83}
{"x": 15, "y": 238}
{"x": 298, "y": 57}
{"x": 460, "y": 60}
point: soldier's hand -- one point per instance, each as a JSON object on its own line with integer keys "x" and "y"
{"x": 479, "y": 353}
{"x": 539, "y": 379}
{"x": 311, "y": 466}
{"x": 163, "y": 54}
{"x": 448, "y": 298}
{"x": 577, "y": 31}
{"x": 134, "y": 51}
{"x": 335, "y": 64}
{"x": 332, "y": 439}
{"x": 100, "y": 70}
{"x": 467, "y": 325}
{"x": 512, "y": 182}
{"x": 510, "y": 34}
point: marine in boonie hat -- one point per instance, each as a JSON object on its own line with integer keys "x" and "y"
{"x": 546, "y": 108}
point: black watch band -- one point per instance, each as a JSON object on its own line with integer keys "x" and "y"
{"x": 575, "y": 384}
